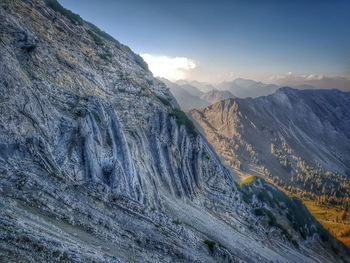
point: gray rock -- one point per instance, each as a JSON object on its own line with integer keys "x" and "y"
{"x": 95, "y": 167}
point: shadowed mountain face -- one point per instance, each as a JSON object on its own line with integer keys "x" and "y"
{"x": 187, "y": 96}
{"x": 202, "y": 86}
{"x": 97, "y": 163}
{"x": 190, "y": 97}
{"x": 298, "y": 138}
{"x": 217, "y": 95}
{"x": 196, "y": 95}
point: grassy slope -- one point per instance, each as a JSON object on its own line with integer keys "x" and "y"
{"x": 247, "y": 180}
{"x": 327, "y": 215}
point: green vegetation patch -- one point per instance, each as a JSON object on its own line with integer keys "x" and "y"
{"x": 272, "y": 221}
{"x": 56, "y": 6}
{"x": 211, "y": 244}
{"x": 259, "y": 212}
{"x": 247, "y": 197}
{"x": 106, "y": 56}
{"x": 30, "y": 48}
{"x": 103, "y": 35}
{"x": 96, "y": 117}
{"x": 98, "y": 40}
{"x": 248, "y": 180}
{"x": 139, "y": 61}
{"x": 165, "y": 101}
{"x": 182, "y": 119}
{"x": 177, "y": 222}
{"x": 97, "y": 34}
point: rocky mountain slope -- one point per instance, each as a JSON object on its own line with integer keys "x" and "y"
{"x": 300, "y": 139}
{"x": 97, "y": 163}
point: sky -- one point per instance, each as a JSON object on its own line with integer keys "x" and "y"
{"x": 213, "y": 41}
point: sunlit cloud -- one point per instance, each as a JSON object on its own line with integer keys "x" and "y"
{"x": 291, "y": 76}
{"x": 316, "y": 80}
{"x": 172, "y": 68}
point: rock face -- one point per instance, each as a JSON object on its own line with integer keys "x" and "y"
{"x": 300, "y": 139}
{"x": 98, "y": 165}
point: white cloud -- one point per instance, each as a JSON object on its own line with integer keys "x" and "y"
{"x": 316, "y": 80}
{"x": 172, "y": 68}
{"x": 294, "y": 77}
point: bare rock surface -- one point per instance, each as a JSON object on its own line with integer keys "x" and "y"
{"x": 97, "y": 164}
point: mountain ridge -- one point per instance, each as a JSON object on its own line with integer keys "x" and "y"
{"x": 283, "y": 134}
{"x": 291, "y": 99}
{"x": 244, "y": 88}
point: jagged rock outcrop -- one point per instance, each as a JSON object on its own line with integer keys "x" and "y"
{"x": 98, "y": 165}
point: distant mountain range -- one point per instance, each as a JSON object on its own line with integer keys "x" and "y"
{"x": 191, "y": 97}
{"x": 217, "y": 95}
{"x": 195, "y": 95}
{"x": 244, "y": 88}
{"x": 187, "y": 96}
{"x": 202, "y": 86}
{"x": 313, "y": 82}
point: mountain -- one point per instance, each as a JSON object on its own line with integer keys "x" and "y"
{"x": 194, "y": 91}
{"x": 216, "y": 95}
{"x": 97, "y": 163}
{"x": 297, "y": 139}
{"x": 283, "y": 132}
{"x": 318, "y": 81}
{"x": 190, "y": 97}
{"x": 187, "y": 96}
{"x": 244, "y": 88}
{"x": 202, "y": 86}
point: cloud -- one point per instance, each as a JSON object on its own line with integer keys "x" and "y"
{"x": 316, "y": 80}
{"x": 172, "y": 68}
{"x": 294, "y": 77}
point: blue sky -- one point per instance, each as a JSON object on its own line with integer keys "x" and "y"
{"x": 229, "y": 39}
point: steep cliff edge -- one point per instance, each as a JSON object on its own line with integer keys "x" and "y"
{"x": 98, "y": 165}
